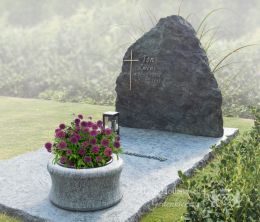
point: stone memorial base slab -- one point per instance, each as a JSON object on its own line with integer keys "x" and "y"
{"x": 25, "y": 182}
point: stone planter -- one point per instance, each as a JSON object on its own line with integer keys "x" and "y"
{"x": 86, "y": 189}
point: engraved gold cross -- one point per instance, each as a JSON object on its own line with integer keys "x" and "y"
{"x": 131, "y": 60}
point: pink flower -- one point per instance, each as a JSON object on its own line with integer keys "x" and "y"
{"x": 62, "y": 145}
{"x": 77, "y": 121}
{"x": 93, "y": 133}
{"x": 81, "y": 151}
{"x": 77, "y": 129}
{"x": 98, "y": 158}
{"x": 95, "y": 149}
{"x": 108, "y": 152}
{"x": 99, "y": 123}
{"x": 63, "y": 159}
{"x": 69, "y": 152}
{"x": 62, "y": 126}
{"x": 108, "y": 131}
{"x": 89, "y": 124}
{"x": 84, "y": 124}
{"x": 93, "y": 141}
{"x": 74, "y": 140}
{"x": 94, "y": 126}
{"x": 87, "y": 159}
{"x": 86, "y": 130}
{"x": 57, "y": 130}
{"x": 77, "y": 136}
{"x": 117, "y": 144}
{"x": 105, "y": 142}
{"x": 84, "y": 144}
{"x": 80, "y": 116}
{"x": 48, "y": 146}
{"x": 60, "y": 134}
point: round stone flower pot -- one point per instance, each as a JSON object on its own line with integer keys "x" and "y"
{"x": 86, "y": 189}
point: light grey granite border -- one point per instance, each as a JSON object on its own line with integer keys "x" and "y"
{"x": 143, "y": 179}
{"x": 147, "y": 207}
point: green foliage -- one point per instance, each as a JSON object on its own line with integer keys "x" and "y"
{"x": 168, "y": 212}
{"x": 232, "y": 194}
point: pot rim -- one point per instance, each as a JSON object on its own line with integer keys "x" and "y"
{"x": 115, "y": 166}
{"x": 88, "y": 168}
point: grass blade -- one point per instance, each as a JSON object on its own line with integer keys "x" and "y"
{"x": 229, "y": 54}
{"x": 179, "y": 9}
{"x": 207, "y": 16}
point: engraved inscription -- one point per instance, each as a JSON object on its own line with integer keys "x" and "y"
{"x": 145, "y": 71}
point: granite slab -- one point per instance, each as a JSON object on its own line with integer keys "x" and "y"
{"x": 25, "y": 182}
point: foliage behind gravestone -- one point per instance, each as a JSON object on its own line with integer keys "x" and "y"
{"x": 233, "y": 193}
{"x": 76, "y": 56}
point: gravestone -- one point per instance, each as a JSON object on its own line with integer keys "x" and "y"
{"x": 166, "y": 83}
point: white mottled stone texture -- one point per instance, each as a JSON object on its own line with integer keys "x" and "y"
{"x": 86, "y": 189}
{"x": 25, "y": 182}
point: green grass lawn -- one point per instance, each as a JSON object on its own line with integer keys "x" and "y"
{"x": 26, "y": 124}
{"x": 5, "y": 218}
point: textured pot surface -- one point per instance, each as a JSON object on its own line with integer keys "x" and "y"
{"x": 86, "y": 189}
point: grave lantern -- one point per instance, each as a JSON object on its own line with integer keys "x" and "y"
{"x": 111, "y": 120}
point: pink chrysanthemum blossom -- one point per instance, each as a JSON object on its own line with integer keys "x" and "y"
{"x": 77, "y": 129}
{"x": 117, "y": 144}
{"x": 77, "y": 121}
{"x": 74, "y": 140}
{"x": 93, "y": 141}
{"x": 69, "y": 152}
{"x": 108, "y": 131}
{"x": 89, "y": 124}
{"x": 84, "y": 124}
{"x": 84, "y": 144}
{"x": 85, "y": 130}
{"x": 62, "y": 145}
{"x": 63, "y": 159}
{"x": 105, "y": 142}
{"x": 108, "y": 152}
{"x": 77, "y": 136}
{"x": 62, "y": 126}
{"x": 95, "y": 149}
{"x": 93, "y": 133}
{"x": 94, "y": 126}
{"x": 60, "y": 134}
{"x": 57, "y": 130}
{"x": 87, "y": 159}
{"x": 81, "y": 151}
{"x": 98, "y": 158}
{"x": 48, "y": 146}
{"x": 80, "y": 116}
